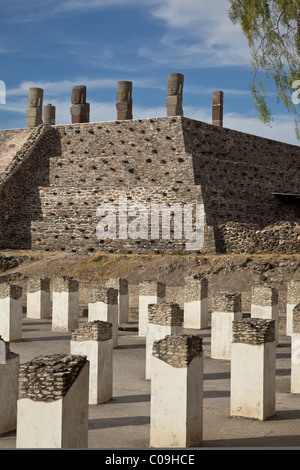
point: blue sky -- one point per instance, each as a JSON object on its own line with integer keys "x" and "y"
{"x": 56, "y": 44}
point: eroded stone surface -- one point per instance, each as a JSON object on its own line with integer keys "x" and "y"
{"x": 49, "y": 377}
{"x": 178, "y": 350}
{"x": 93, "y": 331}
{"x": 253, "y": 331}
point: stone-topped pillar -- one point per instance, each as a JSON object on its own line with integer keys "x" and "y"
{"x": 52, "y": 410}
{"x": 195, "y": 301}
{"x": 174, "y": 92}
{"x": 34, "y": 112}
{"x": 163, "y": 319}
{"x": 177, "y": 392}
{"x": 49, "y": 114}
{"x": 253, "y": 368}
{"x": 293, "y": 298}
{"x": 103, "y": 306}
{"x": 94, "y": 340}
{"x": 150, "y": 292}
{"x": 65, "y": 304}
{"x": 80, "y": 109}
{"x": 11, "y": 309}
{"x": 123, "y": 296}
{"x": 38, "y": 297}
{"x": 295, "y": 346}
{"x": 124, "y": 101}
{"x": 9, "y": 387}
{"x": 228, "y": 307}
{"x": 217, "y": 108}
{"x": 264, "y": 304}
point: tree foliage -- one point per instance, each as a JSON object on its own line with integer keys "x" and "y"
{"x": 273, "y": 32}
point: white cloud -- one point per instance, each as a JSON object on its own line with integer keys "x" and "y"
{"x": 65, "y": 86}
{"x": 200, "y": 34}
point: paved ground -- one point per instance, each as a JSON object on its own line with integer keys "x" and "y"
{"x": 124, "y": 422}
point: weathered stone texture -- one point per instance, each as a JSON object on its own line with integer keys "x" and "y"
{"x": 108, "y": 295}
{"x": 65, "y": 284}
{"x": 36, "y": 284}
{"x": 195, "y": 287}
{"x": 93, "y": 331}
{"x": 264, "y": 296}
{"x": 152, "y": 288}
{"x": 167, "y": 314}
{"x": 253, "y": 331}
{"x": 296, "y": 319}
{"x": 228, "y": 302}
{"x": 293, "y": 291}
{"x": 178, "y": 350}
{"x": 48, "y": 378}
{"x": 118, "y": 283}
{"x": 53, "y": 190}
{"x": 10, "y": 290}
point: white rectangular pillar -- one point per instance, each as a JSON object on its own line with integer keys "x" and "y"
{"x": 295, "y": 353}
{"x": 264, "y": 304}
{"x": 11, "y": 311}
{"x": 195, "y": 301}
{"x": 163, "y": 319}
{"x": 94, "y": 340}
{"x": 293, "y": 298}
{"x": 123, "y": 296}
{"x": 150, "y": 292}
{"x": 65, "y": 304}
{"x": 177, "y": 392}
{"x": 104, "y": 306}
{"x": 9, "y": 388}
{"x": 228, "y": 308}
{"x": 253, "y": 369}
{"x": 52, "y": 410}
{"x": 38, "y": 298}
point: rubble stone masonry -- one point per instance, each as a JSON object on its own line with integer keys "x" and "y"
{"x": 51, "y": 190}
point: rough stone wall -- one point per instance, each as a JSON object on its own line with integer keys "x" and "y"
{"x": 253, "y": 331}
{"x": 166, "y": 314}
{"x": 69, "y": 171}
{"x": 240, "y": 172}
{"x": 48, "y": 378}
{"x": 93, "y": 331}
{"x": 234, "y": 237}
{"x": 178, "y": 350}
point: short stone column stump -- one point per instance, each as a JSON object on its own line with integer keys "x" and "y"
{"x": 103, "y": 306}
{"x": 195, "y": 301}
{"x": 38, "y": 298}
{"x": 11, "y": 312}
{"x": 293, "y": 298}
{"x": 253, "y": 369}
{"x": 177, "y": 392}
{"x": 9, "y": 387}
{"x": 65, "y": 304}
{"x": 163, "y": 319}
{"x": 228, "y": 307}
{"x": 94, "y": 340}
{"x": 52, "y": 409}
{"x": 150, "y": 292}
{"x": 123, "y": 297}
{"x": 264, "y": 304}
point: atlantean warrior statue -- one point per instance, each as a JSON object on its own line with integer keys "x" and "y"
{"x": 49, "y": 114}
{"x": 174, "y": 91}
{"x": 124, "y": 101}
{"x": 80, "y": 109}
{"x": 34, "y": 112}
